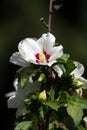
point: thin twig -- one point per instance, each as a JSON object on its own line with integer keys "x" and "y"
{"x": 44, "y": 22}
{"x": 50, "y": 15}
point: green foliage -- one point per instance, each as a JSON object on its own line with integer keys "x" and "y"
{"x": 75, "y": 108}
{"x": 53, "y": 104}
{"x": 67, "y": 62}
{"x": 23, "y": 74}
{"x": 62, "y": 98}
{"x": 51, "y": 93}
{"x": 80, "y": 127}
{"x": 69, "y": 66}
{"x": 57, "y": 102}
{"x": 64, "y": 58}
{"x": 25, "y": 125}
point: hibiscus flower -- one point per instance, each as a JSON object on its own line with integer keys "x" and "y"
{"x": 77, "y": 72}
{"x": 16, "y": 98}
{"x": 40, "y": 52}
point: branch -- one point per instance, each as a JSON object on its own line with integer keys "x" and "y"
{"x": 50, "y": 15}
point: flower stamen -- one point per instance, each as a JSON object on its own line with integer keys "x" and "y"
{"x": 42, "y": 57}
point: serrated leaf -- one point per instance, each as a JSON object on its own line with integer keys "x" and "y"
{"x": 69, "y": 66}
{"x": 63, "y": 58}
{"x": 23, "y": 82}
{"x": 51, "y": 126}
{"x": 24, "y": 72}
{"x": 25, "y": 125}
{"x": 41, "y": 112}
{"x": 80, "y": 127}
{"x": 52, "y": 104}
{"x": 37, "y": 72}
{"x": 75, "y": 108}
{"x": 23, "y": 75}
{"x": 51, "y": 93}
{"x": 62, "y": 98}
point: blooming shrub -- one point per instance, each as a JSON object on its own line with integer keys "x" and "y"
{"x": 50, "y": 92}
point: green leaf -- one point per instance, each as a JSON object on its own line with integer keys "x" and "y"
{"x": 62, "y": 98}
{"x": 36, "y": 74}
{"x": 67, "y": 62}
{"x": 64, "y": 58}
{"x": 80, "y": 127}
{"x": 51, "y": 93}
{"x": 52, "y": 104}
{"x": 41, "y": 112}
{"x": 75, "y": 108}
{"x": 52, "y": 126}
{"x": 23, "y": 75}
{"x": 23, "y": 82}
{"x": 24, "y": 72}
{"x": 25, "y": 125}
{"x": 69, "y": 66}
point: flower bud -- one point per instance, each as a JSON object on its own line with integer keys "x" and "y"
{"x": 79, "y": 83}
{"x": 42, "y": 95}
{"x": 41, "y": 78}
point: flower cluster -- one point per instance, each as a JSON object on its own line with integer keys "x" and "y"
{"x": 50, "y": 92}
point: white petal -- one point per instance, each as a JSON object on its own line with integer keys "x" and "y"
{"x": 29, "y": 88}
{"x": 46, "y": 41}
{"x": 17, "y": 100}
{"x": 82, "y": 79}
{"x": 10, "y": 94}
{"x": 10, "y": 102}
{"x": 15, "y": 84}
{"x": 17, "y": 59}
{"x": 19, "y": 112}
{"x": 28, "y": 46}
{"x": 59, "y": 69}
{"x": 14, "y": 102}
{"x": 51, "y": 63}
{"x": 57, "y": 52}
{"x": 79, "y": 70}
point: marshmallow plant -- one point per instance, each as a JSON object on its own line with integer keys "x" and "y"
{"x": 50, "y": 90}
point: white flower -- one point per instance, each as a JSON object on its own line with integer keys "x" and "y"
{"x": 85, "y": 120}
{"x": 41, "y": 51}
{"x": 16, "y": 98}
{"x": 77, "y": 72}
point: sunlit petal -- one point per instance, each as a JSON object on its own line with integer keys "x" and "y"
{"x": 41, "y": 51}
{"x": 59, "y": 69}
{"x": 79, "y": 70}
{"x": 17, "y": 59}
{"x": 46, "y": 41}
{"x": 57, "y": 52}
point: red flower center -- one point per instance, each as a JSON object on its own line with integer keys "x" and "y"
{"x": 42, "y": 57}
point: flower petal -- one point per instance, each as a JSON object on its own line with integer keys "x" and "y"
{"x": 56, "y": 53}
{"x": 29, "y": 88}
{"x": 82, "y": 79}
{"x": 14, "y": 102}
{"x": 46, "y": 41}
{"x": 59, "y": 69}
{"x": 19, "y": 112}
{"x": 79, "y": 70}
{"x": 17, "y": 99}
{"x": 17, "y": 59}
{"x": 28, "y": 46}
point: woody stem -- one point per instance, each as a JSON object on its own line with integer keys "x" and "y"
{"x": 50, "y": 16}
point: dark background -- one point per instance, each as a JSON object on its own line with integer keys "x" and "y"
{"x": 20, "y": 19}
